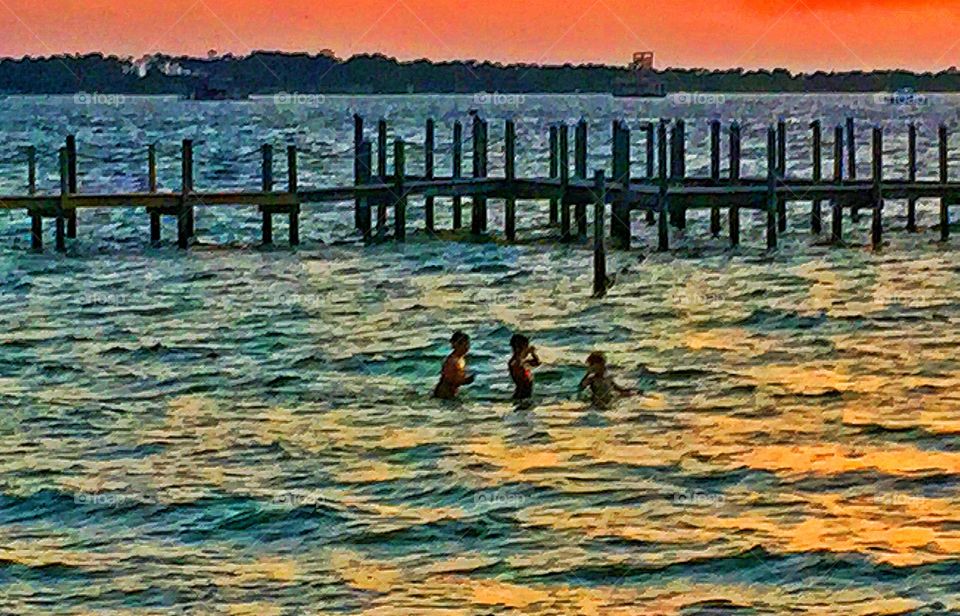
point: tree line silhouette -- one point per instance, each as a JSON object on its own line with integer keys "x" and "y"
{"x": 266, "y": 72}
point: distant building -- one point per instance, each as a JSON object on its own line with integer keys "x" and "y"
{"x": 643, "y": 81}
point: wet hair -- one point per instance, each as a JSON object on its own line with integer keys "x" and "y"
{"x": 458, "y": 337}
{"x": 519, "y": 341}
{"x": 596, "y": 358}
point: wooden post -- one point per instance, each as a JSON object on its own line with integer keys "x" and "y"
{"x": 73, "y": 184}
{"x": 852, "y": 162}
{"x": 61, "y": 244}
{"x": 944, "y": 177}
{"x": 428, "y": 154}
{"x": 400, "y": 197}
{"x": 912, "y": 176}
{"x": 152, "y": 187}
{"x": 734, "y": 214}
{"x": 476, "y": 214}
{"x": 816, "y": 211}
{"x": 457, "y": 172}
{"x": 267, "y": 186}
{"x": 364, "y": 175}
{"x": 781, "y": 173}
{"x": 293, "y": 187}
{"x": 484, "y": 159}
{"x": 510, "y": 153}
{"x": 772, "y": 170}
{"x": 715, "y": 174}
{"x": 678, "y": 167}
{"x": 580, "y": 169}
{"x": 186, "y": 175}
{"x": 599, "y": 251}
{"x": 876, "y": 226}
{"x": 357, "y": 142}
{"x": 836, "y": 214}
{"x": 650, "y": 144}
{"x": 663, "y": 204}
{"x": 564, "y": 144}
{"x": 382, "y": 171}
{"x": 554, "y": 171}
{"x": 620, "y": 219}
{"x": 36, "y": 221}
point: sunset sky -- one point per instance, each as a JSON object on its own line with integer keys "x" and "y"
{"x": 797, "y": 34}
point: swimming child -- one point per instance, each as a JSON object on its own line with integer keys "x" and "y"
{"x": 602, "y": 386}
{"x": 453, "y": 375}
{"x": 521, "y": 366}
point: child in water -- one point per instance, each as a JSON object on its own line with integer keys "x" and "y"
{"x": 521, "y": 366}
{"x": 602, "y": 386}
{"x": 453, "y": 375}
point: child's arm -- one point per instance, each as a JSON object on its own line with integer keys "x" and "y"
{"x": 533, "y": 360}
{"x": 587, "y": 379}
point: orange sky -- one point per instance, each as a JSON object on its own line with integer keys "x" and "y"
{"x": 798, "y": 34}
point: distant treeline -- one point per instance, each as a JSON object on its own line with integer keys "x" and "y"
{"x": 275, "y": 72}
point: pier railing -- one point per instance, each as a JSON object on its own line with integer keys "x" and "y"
{"x": 664, "y": 193}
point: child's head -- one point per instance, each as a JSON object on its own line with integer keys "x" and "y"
{"x": 597, "y": 362}
{"x": 460, "y": 342}
{"x": 519, "y": 343}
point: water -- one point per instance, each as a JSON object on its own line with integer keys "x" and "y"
{"x": 246, "y": 431}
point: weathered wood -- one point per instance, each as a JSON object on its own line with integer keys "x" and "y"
{"x": 599, "y": 251}
{"x": 663, "y": 199}
{"x": 554, "y": 171}
{"x": 678, "y": 168}
{"x": 428, "y": 156}
{"x": 73, "y": 184}
{"x": 357, "y": 142}
{"x": 186, "y": 180}
{"x": 650, "y": 155}
{"x": 816, "y": 211}
{"x": 152, "y": 187}
{"x": 852, "y": 162}
{"x": 267, "y": 186}
{"x": 400, "y": 195}
{"x": 457, "y": 172}
{"x": 580, "y": 170}
{"x": 364, "y": 174}
{"x": 781, "y": 173}
{"x": 510, "y": 172}
{"x": 61, "y": 244}
{"x": 478, "y": 212}
{"x": 944, "y": 177}
{"x": 876, "y": 226}
{"x": 715, "y": 174}
{"x": 382, "y": 171}
{"x": 564, "y": 144}
{"x": 912, "y": 175}
{"x": 836, "y": 214}
{"x": 293, "y": 186}
{"x": 620, "y": 212}
{"x": 773, "y": 171}
{"x": 36, "y": 221}
{"x": 734, "y": 214}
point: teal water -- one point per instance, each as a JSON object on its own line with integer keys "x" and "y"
{"x": 245, "y": 431}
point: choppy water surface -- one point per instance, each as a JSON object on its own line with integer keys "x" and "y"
{"x": 246, "y": 431}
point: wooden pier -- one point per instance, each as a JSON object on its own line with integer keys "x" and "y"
{"x": 664, "y": 193}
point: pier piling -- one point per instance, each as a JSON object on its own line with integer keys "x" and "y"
{"x": 152, "y": 187}
{"x": 599, "y": 250}
{"x": 836, "y": 213}
{"x": 715, "y": 174}
{"x": 400, "y": 194}
{"x": 734, "y": 213}
{"x": 510, "y": 173}
{"x": 912, "y": 176}
{"x": 580, "y": 172}
{"x": 663, "y": 198}
{"x": 293, "y": 187}
{"x": 944, "y": 177}
{"x": 876, "y": 225}
{"x": 816, "y": 208}
{"x": 781, "y": 173}
{"x": 36, "y": 221}
{"x": 267, "y": 186}
{"x": 773, "y": 170}
{"x": 620, "y": 212}
{"x": 61, "y": 245}
{"x": 184, "y": 230}
{"x": 73, "y": 184}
